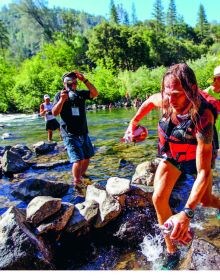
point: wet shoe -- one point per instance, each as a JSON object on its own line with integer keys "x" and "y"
{"x": 170, "y": 261}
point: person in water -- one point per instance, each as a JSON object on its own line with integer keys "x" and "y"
{"x": 70, "y": 104}
{"x": 51, "y": 122}
{"x": 185, "y": 145}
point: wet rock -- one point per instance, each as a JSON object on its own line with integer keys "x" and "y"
{"x": 131, "y": 227}
{"x": 104, "y": 150}
{"x": 109, "y": 207}
{"x": 13, "y": 163}
{"x": 4, "y": 149}
{"x": 6, "y": 135}
{"x": 82, "y": 216}
{"x": 117, "y": 186}
{"x": 30, "y": 188}
{"x": 42, "y": 147}
{"x": 22, "y": 150}
{"x": 42, "y": 207}
{"x": 142, "y": 191}
{"x": 122, "y": 162}
{"x": 144, "y": 173}
{"x": 58, "y": 221}
{"x": 50, "y": 165}
{"x": 20, "y": 249}
{"x": 202, "y": 256}
{"x": 136, "y": 201}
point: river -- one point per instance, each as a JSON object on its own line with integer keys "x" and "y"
{"x": 106, "y": 127}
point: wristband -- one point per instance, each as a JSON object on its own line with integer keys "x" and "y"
{"x": 85, "y": 81}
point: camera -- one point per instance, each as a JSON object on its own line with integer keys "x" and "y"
{"x": 49, "y": 113}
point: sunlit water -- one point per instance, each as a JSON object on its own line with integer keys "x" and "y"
{"x": 106, "y": 128}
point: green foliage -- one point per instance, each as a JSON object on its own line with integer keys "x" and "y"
{"x": 7, "y": 73}
{"x": 204, "y": 69}
{"x": 142, "y": 82}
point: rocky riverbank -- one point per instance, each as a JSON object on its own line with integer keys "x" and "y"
{"x": 54, "y": 234}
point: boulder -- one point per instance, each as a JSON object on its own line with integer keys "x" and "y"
{"x": 109, "y": 207}
{"x": 82, "y": 216}
{"x": 22, "y": 150}
{"x": 42, "y": 207}
{"x": 4, "y": 149}
{"x": 20, "y": 249}
{"x": 142, "y": 191}
{"x": 131, "y": 227}
{"x": 117, "y": 186}
{"x": 13, "y": 163}
{"x": 144, "y": 173}
{"x": 50, "y": 165}
{"x": 30, "y": 188}
{"x": 202, "y": 256}
{"x": 42, "y": 147}
{"x": 58, "y": 221}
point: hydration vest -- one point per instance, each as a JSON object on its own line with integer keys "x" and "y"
{"x": 179, "y": 141}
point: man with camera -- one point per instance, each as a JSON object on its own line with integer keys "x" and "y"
{"x": 70, "y": 104}
{"x": 51, "y": 122}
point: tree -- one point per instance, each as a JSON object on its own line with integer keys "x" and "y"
{"x": 37, "y": 10}
{"x": 134, "y": 18}
{"x": 113, "y": 13}
{"x": 4, "y": 40}
{"x": 158, "y": 15}
{"x": 171, "y": 18}
{"x": 202, "y": 23}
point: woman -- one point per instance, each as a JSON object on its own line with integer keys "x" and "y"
{"x": 185, "y": 146}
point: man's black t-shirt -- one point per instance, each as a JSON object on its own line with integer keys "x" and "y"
{"x": 73, "y": 114}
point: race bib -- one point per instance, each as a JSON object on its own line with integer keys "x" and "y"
{"x": 75, "y": 111}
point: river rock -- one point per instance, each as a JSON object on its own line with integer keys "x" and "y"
{"x": 131, "y": 227}
{"x": 82, "y": 216}
{"x": 30, "y": 188}
{"x": 202, "y": 256}
{"x": 142, "y": 191}
{"x": 13, "y": 163}
{"x": 4, "y": 149}
{"x": 22, "y": 150}
{"x": 144, "y": 173}
{"x": 58, "y": 221}
{"x": 42, "y": 147}
{"x": 50, "y": 165}
{"x": 109, "y": 207}
{"x": 42, "y": 207}
{"x": 20, "y": 249}
{"x": 104, "y": 150}
{"x": 117, "y": 186}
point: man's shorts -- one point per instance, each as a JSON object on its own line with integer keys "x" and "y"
{"x": 52, "y": 124}
{"x": 78, "y": 147}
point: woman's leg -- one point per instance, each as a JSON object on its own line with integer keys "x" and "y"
{"x": 164, "y": 181}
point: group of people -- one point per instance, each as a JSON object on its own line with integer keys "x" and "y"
{"x": 187, "y": 143}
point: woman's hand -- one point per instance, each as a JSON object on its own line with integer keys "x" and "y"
{"x": 180, "y": 227}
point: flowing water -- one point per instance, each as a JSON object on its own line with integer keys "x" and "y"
{"x": 106, "y": 128}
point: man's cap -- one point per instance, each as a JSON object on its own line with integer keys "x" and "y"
{"x": 69, "y": 74}
{"x": 46, "y": 96}
{"x": 217, "y": 71}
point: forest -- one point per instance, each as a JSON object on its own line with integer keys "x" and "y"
{"x": 118, "y": 54}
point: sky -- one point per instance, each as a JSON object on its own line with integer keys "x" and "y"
{"x": 186, "y": 8}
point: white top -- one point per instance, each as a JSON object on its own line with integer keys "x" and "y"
{"x": 47, "y": 116}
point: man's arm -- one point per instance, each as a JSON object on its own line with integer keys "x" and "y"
{"x": 204, "y": 137}
{"x": 42, "y": 111}
{"x": 93, "y": 91}
{"x": 57, "y": 108}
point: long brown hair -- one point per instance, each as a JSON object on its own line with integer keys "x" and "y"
{"x": 188, "y": 81}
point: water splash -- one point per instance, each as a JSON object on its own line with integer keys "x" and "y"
{"x": 152, "y": 248}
